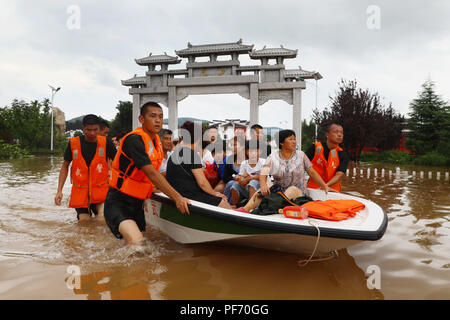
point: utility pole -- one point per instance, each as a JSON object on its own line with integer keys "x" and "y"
{"x": 54, "y": 91}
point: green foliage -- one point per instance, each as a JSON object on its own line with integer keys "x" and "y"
{"x": 10, "y": 151}
{"x": 74, "y": 125}
{"x": 433, "y": 158}
{"x": 28, "y": 123}
{"x": 429, "y": 123}
{"x": 401, "y": 157}
{"x": 123, "y": 121}
{"x": 391, "y": 156}
{"x": 308, "y": 133}
{"x": 366, "y": 122}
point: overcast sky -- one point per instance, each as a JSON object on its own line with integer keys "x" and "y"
{"x": 389, "y": 47}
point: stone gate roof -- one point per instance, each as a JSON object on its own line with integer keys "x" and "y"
{"x": 215, "y": 48}
{"x": 273, "y": 53}
{"x": 157, "y": 59}
{"x": 134, "y": 81}
{"x": 295, "y": 73}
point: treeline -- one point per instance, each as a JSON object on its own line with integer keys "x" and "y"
{"x": 25, "y": 127}
{"x": 368, "y": 123}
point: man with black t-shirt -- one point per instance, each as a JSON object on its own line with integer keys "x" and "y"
{"x": 135, "y": 173}
{"x": 89, "y": 156}
{"x": 328, "y": 159}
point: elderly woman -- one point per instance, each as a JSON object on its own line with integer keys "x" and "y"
{"x": 287, "y": 166}
{"x": 185, "y": 172}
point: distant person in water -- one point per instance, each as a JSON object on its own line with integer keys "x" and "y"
{"x": 104, "y": 128}
{"x": 135, "y": 173}
{"x": 89, "y": 155}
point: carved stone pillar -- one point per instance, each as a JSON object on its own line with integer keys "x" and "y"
{"x": 136, "y": 110}
{"x": 297, "y": 114}
{"x": 254, "y": 104}
{"x": 173, "y": 110}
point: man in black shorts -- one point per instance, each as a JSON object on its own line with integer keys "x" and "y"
{"x": 89, "y": 152}
{"x": 135, "y": 173}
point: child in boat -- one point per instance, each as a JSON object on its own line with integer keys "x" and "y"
{"x": 233, "y": 164}
{"x": 247, "y": 182}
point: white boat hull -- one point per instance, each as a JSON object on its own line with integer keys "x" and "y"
{"x": 275, "y": 232}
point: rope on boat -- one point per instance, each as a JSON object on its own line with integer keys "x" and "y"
{"x": 302, "y": 263}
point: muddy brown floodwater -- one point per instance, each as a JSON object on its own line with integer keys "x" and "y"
{"x": 41, "y": 244}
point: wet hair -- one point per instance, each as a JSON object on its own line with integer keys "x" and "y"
{"x": 191, "y": 128}
{"x": 103, "y": 124}
{"x": 283, "y": 134}
{"x": 120, "y": 135}
{"x": 90, "y": 119}
{"x": 256, "y": 126}
{"x": 165, "y": 131}
{"x": 205, "y": 143}
{"x": 148, "y": 104}
{"x": 332, "y": 124}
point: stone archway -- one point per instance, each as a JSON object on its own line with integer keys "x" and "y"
{"x": 268, "y": 81}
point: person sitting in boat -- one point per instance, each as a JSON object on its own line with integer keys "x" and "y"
{"x": 218, "y": 150}
{"x": 167, "y": 146}
{"x": 328, "y": 159}
{"x": 257, "y": 133}
{"x": 210, "y": 169}
{"x": 185, "y": 172}
{"x": 247, "y": 182}
{"x": 212, "y": 135}
{"x": 287, "y": 167}
{"x": 233, "y": 165}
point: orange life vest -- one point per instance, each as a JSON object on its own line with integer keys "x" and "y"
{"x": 325, "y": 168}
{"x": 89, "y": 184}
{"x": 135, "y": 183}
{"x": 334, "y": 210}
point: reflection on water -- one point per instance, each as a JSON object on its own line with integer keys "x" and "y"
{"x": 412, "y": 256}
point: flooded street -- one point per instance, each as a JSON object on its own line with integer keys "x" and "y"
{"x": 40, "y": 244}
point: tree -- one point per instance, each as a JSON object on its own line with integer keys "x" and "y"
{"x": 308, "y": 133}
{"x": 29, "y": 123}
{"x": 429, "y": 122}
{"x": 123, "y": 121}
{"x": 366, "y": 122}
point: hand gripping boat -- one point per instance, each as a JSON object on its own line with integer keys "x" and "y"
{"x": 207, "y": 223}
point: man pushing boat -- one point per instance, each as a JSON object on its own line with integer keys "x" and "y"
{"x": 135, "y": 172}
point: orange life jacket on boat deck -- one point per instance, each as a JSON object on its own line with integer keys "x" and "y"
{"x": 89, "y": 184}
{"x": 325, "y": 168}
{"x": 133, "y": 181}
{"x": 334, "y": 210}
